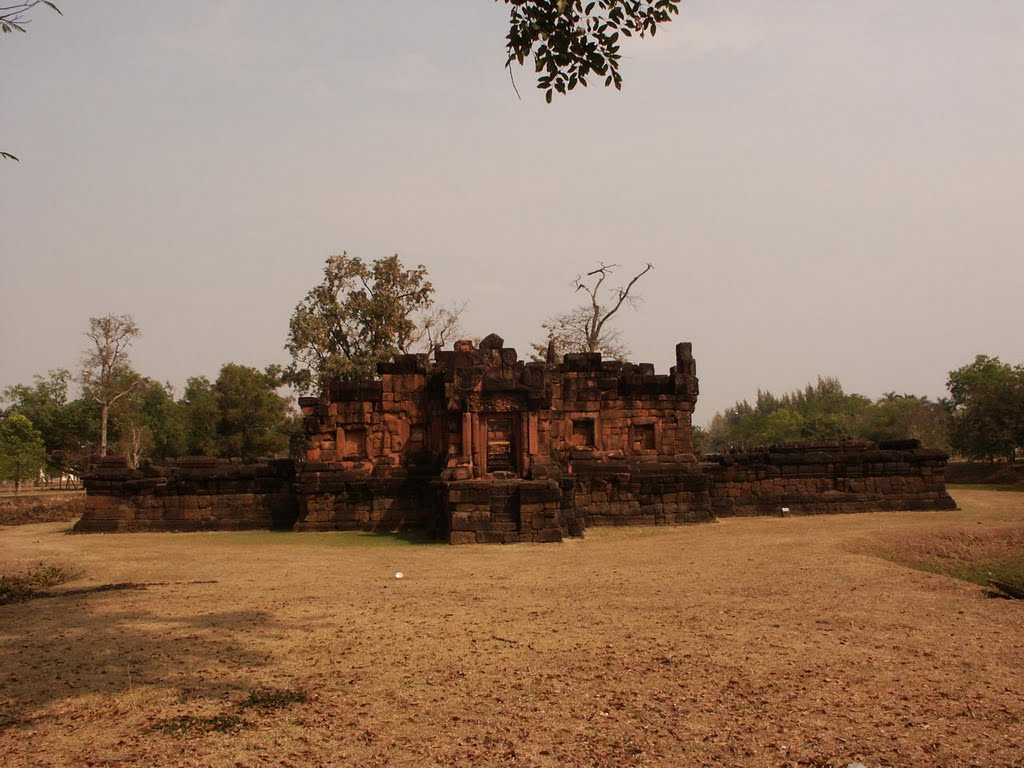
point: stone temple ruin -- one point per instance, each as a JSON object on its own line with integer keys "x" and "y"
{"x": 477, "y": 445}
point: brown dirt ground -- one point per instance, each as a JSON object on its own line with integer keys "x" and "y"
{"x": 750, "y": 642}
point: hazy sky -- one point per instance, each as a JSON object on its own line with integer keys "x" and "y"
{"x": 823, "y": 187}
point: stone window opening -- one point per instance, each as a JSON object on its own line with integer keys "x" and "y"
{"x": 644, "y": 438}
{"x": 582, "y": 433}
{"x": 355, "y": 443}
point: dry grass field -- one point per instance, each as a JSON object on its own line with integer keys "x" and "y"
{"x": 748, "y": 642}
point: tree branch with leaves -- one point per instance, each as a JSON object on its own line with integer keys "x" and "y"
{"x": 573, "y": 40}
{"x": 14, "y": 18}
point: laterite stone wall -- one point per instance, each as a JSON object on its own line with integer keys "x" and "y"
{"x": 332, "y": 499}
{"x": 826, "y": 478}
{"x": 189, "y": 494}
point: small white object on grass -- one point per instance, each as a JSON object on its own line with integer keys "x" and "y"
{"x": 399, "y": 575}
{"x": 785, "y": 510}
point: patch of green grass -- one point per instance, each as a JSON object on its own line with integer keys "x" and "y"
{"x": 21, "y": 587}
{"x": 342, "y": 539}
{"x": 191, "y": 725}
{"x": 1009, "y": 570}
{"x": 273, "y": 698}
{"x": 1018, "y": 488}
{"x": 969, "y": 553}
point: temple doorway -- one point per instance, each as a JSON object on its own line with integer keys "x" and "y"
{"x": 501, "y": 451}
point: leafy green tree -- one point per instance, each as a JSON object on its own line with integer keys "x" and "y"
{"x": 700, "y": 440}
{"x": 22, "y": 452}
{"x": 253, "y": 420}
{"x": 895, "y": 417}
{"x": 200, "y": 415}
{"x": 573, "y": 40}
{"x": 43, "y": 403}
{"x": 782, "y": 426}
{"x": 164, "y": 419}
{"x": 824, "y": 426}
{"x": 70, "y": 428}
{"x": 241, "y": 414}
{"x": 359, "y": 315}
{"x": 987, "y": 399}
{"x": 107, "y": 375}
{"x": 148, "y": 423}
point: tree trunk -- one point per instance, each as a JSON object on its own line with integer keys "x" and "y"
{"x": 104, "y": 413}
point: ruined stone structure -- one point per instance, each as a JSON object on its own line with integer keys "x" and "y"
{"x": 482, "y": 446}
{"x": 189, "y": 494}
{"x": 828, "y": 478}
{"x": 479, "y": 446}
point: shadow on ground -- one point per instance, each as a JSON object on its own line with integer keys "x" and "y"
{"x": 104, "y": 642}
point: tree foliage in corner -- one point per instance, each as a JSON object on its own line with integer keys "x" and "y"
{"x": 572, "y": 40}
{"x": 14, "y": 18}
{"x": 359, "y": 315}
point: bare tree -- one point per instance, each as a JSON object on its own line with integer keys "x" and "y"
{"x": 107, "y": 376}
{"x": 568, "y": 332}
{"x": 600, "y": 314}
{"x": 586, "y": 328}
{"x": 436, "y": 327}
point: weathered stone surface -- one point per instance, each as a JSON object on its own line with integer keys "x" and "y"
{"x": 192, "y": 493}
{"x": 828, "y": 478}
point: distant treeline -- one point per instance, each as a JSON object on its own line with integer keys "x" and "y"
{"x": 240, "y": 414}
{"x": 983, "y": 418}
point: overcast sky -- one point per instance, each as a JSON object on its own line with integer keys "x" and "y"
{"x": 825, "y": 187}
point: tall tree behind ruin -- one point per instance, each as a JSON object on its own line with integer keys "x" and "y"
{"x": 253, "y": 420}
{"x": 107, "y": 375}
{"x": 586, "y": 328}
{"x": 359, "y": 315}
